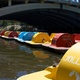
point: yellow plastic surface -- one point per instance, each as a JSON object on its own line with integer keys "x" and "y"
{"x": 41, "y": 75}
{"x": 52, "y": 36}
{"x": 6, "y": 33}
{"x": 69, "y": 66}
{"x": 41, "y": 37}
{"x": 18, "y": 32}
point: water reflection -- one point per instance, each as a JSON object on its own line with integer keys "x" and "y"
{"x": 18, "y": 59}
{"x": 24, "y": 48}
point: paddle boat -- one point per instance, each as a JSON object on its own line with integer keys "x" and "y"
{"x": 6, "y": 34}
{"x": 28, "y": 36}
{"x": 2, "y": 33}
{"x": 61, "y": 42}
{"x": 10, "y": 34}
{"x": 52, "y": 36}
{"x": 76, "y": 37}
{"x": 20, "y": 36}
{"x": 67, "y": 69}
{"x": 38, "y": 39}
{"x": 25, "y": 36}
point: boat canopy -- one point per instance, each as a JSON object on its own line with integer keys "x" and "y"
{"x": 41, "y": 37}
{"x": 13, "y": 34}
{"x": 63, "y": 40}
{"x": 7, "y": 33}
{"x": 28, "y": 36}
{"x": 21, "y": 35}
{"x": 70, "y": 64}
{"x": 2, "y": 32}
{"x": 52, "y": 36}
{"x": 76, "y": 36}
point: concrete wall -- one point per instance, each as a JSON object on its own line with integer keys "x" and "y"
{"x": 23, "y": 7}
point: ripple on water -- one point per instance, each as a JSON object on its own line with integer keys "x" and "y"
{"x": 19, "y": 59}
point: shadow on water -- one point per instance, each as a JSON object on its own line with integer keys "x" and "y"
{"x": 18, "y": 59}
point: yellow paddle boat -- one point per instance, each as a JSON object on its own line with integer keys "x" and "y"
{"x": 52, "y": 36}
{"x": 67, "y": 69}
{"x": 39, "y": 38}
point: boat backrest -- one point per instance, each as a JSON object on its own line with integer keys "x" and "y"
{"x": 69, "y": 66}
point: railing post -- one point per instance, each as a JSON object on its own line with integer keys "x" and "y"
{"x": 9, "y": 2}
{"x": 26, "y": 1}
{"x": 41, "y": 1}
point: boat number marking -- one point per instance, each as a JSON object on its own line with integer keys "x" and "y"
{"x": 73, "y": 60}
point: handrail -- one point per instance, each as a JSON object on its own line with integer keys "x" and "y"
{"x": 68, "y": 2}
{"x": 71, "y": 2}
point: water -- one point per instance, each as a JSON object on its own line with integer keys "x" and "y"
{"x": 17, "y": 59}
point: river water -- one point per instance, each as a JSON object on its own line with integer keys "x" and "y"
{"x": 17, "y": 59}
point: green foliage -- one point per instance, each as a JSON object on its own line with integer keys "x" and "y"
{"x": 4, "y": 23}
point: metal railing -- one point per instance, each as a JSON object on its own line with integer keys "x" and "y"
{"x": 71, "y": 2}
